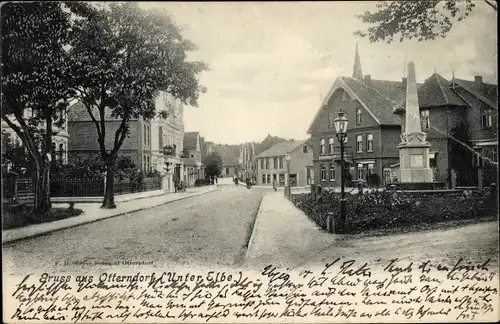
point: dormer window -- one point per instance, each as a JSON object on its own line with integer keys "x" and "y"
{"x": 486, "y": 118}
{"x": 344, "y": 95}
{"x": 359, "y": 118}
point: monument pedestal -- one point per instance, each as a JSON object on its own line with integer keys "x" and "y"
{"x": 414, "y": 159}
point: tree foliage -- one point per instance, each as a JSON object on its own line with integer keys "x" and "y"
{"x": 421, "y": 20}
{"x": 213, "y": 165}
{"x": 35, "y": 79}
{"x": 123, "y": 57}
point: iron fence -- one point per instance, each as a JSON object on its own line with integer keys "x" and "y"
{"x": 16, "y": 189}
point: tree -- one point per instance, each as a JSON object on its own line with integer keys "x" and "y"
{"x": 34, "y": 84}
{"x": 460, "y": 154}
{"x": 423, "y": 20}
{"x": 122, "y": 57}
{"x": 213, "y": 165}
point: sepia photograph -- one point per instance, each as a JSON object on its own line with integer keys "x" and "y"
{"x": 249, "y": 162}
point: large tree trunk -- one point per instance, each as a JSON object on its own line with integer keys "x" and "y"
{"x": 42, "y": 182}
{"x": 109, "y": 194}
{"x": 42, "y": 203}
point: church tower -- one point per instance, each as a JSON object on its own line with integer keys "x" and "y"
{"x": 357, "y": 72}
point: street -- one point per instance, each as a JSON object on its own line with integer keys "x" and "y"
{"x": 211, "y": 229}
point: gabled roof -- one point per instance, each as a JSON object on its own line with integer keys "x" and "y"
{"x": 190, "y": 140}
{"x": 486, "y": 92}
{"x": 434, "y": 92}
{"x": 281, "y": 149}
{"x": 379, "y": 97}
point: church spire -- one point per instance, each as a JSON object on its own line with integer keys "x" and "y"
{"x": 357, "y": 73}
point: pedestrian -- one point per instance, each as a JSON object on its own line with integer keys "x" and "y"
{"x": 274, "y": 184}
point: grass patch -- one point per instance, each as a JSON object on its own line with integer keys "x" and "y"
{"x": 21, "y": 215}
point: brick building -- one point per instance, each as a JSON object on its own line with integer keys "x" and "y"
{"x": 374, "y": 109}
{"x": 272, "y": 166}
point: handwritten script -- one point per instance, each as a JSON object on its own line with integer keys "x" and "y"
{"x": 340, "y": 290}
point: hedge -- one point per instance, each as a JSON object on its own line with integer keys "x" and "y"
{"x": 385, "y": 209}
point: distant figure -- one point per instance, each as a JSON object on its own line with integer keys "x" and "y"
{"x": 236, "y": 180}
{"x": 274, "y": 184}
{"x": 248, "y": 183}
{"x": 215, "y": 180}
{"x": 176, "y": 185}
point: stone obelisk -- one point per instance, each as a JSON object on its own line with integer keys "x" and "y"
{"x": 414, "y": 148}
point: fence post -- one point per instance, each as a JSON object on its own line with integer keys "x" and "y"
{"x": 330, "y": 222}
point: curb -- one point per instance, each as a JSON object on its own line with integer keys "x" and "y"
{"x": 252, "y": 236}
{"x": 8, "y": 241}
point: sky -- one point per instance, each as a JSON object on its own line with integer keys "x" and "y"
{"x": 272, "y": 63}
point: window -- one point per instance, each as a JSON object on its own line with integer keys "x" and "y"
{"x": 369, "y": 143}
{"x": 370, "y": 169}
{"x": 322, "y": 146}
{"x": 61, "y": 152}
{"x": 275, "y": 163}
{"x": 360, "y": 172}
{"x": 267, "y": 163}
{"x": 432, "y": 160}
{"x": 494, "y": 155}
{"x": 227, "y": 171}
{"x": 330, "y": 145}
{"x": 332, "y": 172}
{"x": 486, "y": 118}
{"x": 268, "y": 178}
{"x": 359, "y": 143}
{"x": 344, "y": 96}
{"x": 145, "y": 135}
{"x": 262, "y": 163}
{"x": 275, "y": 180}
{"x": 263, "y": 178}
{"x": 282, "y": 179}
{"x": 304, "y": 149}
{"x": 358, "y": 116}
{"x": 281, "y": 162}
{"x": 323, "y": 172}
{"x": 424, "y": 117}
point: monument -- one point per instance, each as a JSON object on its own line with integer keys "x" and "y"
{"x": 414, "y": 148}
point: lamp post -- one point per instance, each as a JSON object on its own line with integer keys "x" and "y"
{"x": 287, "y": 159}
{"x": 341, "y": 131}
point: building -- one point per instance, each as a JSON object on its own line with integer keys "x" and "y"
{"x": 272, "y": 164}
{"x": 373, "y": 130}
{"x": 167, "y": 140}
{"x": 192, "y": 158}
{"x": 151, "y": 144}
{"x": 374, "y": 109}
{"x": 229, "y": 155}
{"x": 59, "y": 140}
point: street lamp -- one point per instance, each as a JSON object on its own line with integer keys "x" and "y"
{"x": 340, "y": 124}
{"x": 287, "y": 159}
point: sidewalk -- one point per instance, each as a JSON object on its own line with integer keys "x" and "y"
{"x": 283, "y": 235}
{"x": 92, "y": 213}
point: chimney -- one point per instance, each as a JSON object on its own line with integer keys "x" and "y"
{"x": 368, "y": 79}
{"x": 478, "y": 79}
{"x": 403, "y": 83}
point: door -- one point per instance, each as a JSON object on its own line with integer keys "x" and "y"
{"x": 308, "y": 175}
